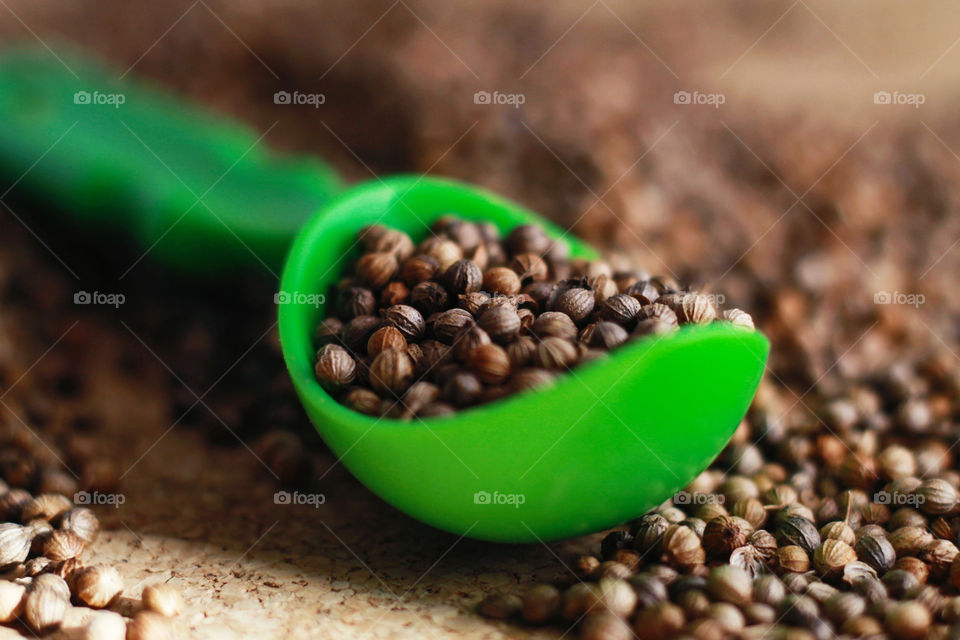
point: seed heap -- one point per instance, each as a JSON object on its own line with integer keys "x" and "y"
{"x": 43, "y": 537}
{"x": 468, "y": 317}
{"x": 843, "y": 521}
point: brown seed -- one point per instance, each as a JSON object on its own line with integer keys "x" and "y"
{"x": 730, "y": 584}
{"x": 376, "y": 269}
{"x": 751, "y": 510}
{"x": 831, "y": 556}
{"x": 46, "y": 506}
{"x": 355, "y": 301}
{"x": 44, "y": 609}
{"x": 444, "y": 250}
{"x": 607, "y": 335}
{"x": 695, "y": 309}
{"x": 936, "y": 496}
{"x": 530, "y": 267}
{"x": 407, "y": 320}
{"x": 501, "y": 280}
{"x": 393, "y": 294}
{"x": 540, "y": 603}
{"x": 643, "y": 292}
{"x": 149, "y": 625}
{"x": 390, "y": 241}
{"x": 501, "y": 322}
{"x": 660, "y": 312}
{"x": 335, "y": 367}
{"x": 419, "y": 268}
{"x": 98, "y": 586}
{"x": 739, "y": 318}
{"x": 914, "y": 566}
{"x": 463, "y": 276}
{"x": 357, "y": 332}
{"x": 63, "y": 545}
{"x": 764, "y": 542}
{"x": 363, "y": 400}
{"x": 681, "y": 546}
{"x": 163, "y": 599}
{"x": 429, "y": 297}
{"x": 724, "y": 534}
{"x": 463, "y": 389}
{"x": 531, "y": 378}
{"x": 521, "y": 351}
{"x": 838, "y": 530}
{"x": 793, "y": 558}
{"x": 527, "y": 238}
{"x": 490, "y": 362}
{"x": 659, "y": 621}
{"x": 876, "y": 551}
{"x": 621, "y": 309}
{"x": 939, "y": 555}
{"x": 554, "y": 324}
{"x": 391, "y": 372}
{"x": 896, "y": 462}
{"x": 603, "y": 625}
{"x": 448, "y": 324}
{"x": 576, "y": 303}
{"x": 388, "y": 337}
{"x": 908, "y": 620}
{"x": 555, "y": 353}
{"x": 909, "y": 541}
{"x": 500, "y": 606}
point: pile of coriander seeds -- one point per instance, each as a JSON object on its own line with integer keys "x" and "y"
{"x": 44, "y": 537}
{"x": 840, "y": 523}
{"x": 467, "y": 317}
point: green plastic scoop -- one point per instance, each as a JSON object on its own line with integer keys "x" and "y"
{"x": 604, "y": 444}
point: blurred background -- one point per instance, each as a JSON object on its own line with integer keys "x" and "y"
{"x": 797, "y": 156}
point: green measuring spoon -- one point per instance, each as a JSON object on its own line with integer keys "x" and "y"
{"x": 603, "y": 444}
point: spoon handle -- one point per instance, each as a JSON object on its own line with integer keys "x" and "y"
{"x": 194, "y": 189}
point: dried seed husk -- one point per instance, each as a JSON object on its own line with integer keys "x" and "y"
{"x": 793, "y": 558}
{"x": 428, "y": 297}
{"x": 876, "y": 551}
{"x": 648, "y": 531}
{"x": 531, "y": 378}
{"x": 11, "y": 601}
{"x": 603, "y": 625}
{"x": 98, "y": 586}
{"x": 501, "y": 322}
{"x": 908, "y": 541}
{"x": 376, "y": 269}
{"x": 858, "y": 570}
{"x": 659, "y": 621}
{"x": 765, "y": 544}
{"x": 769, "y": 590}
{"x": 52, "y": 581}
{"x": 939, "y": 555}
{"x": 357, "y": 332}
{"x": 621, "y": 309}
{"x": 391, "y": 372}
{"x": 490, "y": 363}
{"x": 749, "y": 559}
{"x": 448, "y": 324}
{"x": 419, "y": 268}
{"x": 149, "y": 625}
{"x": 501, "y": 280}
{"x": 388, "y": 337}
{"x": 751, "y": 510}
{"x": 831, "y": 557}
{"x": 105, "y": 625}
{"x": 681, "y": 546}
{"x": 530, "y": 267}
{"x": 738, "y": 318}
{"x": 521, "y": 351}
{"x": 615, "y": 595}
{"x": 730, "y": 584}
{"x": 936, "y": 496}
{"x": 576, "y": 303}
{"x": 46, "y": 506}
{"x": 908, "y": 620}
{"x": 44, "y": 609}
{"x": 335, "y": 367}
{"x": 797, "y": 530}
{"x": 63, "y": 545}
{"x": 724, "y": 534}
{"x": 355, "y": 301}
{"x": 527, "y": 238}
{"x": 83, "y": 522}
{"x": 463, "y": 276}
{"x": 408, "y": 321}
{"x": 606, "y": 335}
{"x": 555, "y": 353}
{"x": 14, "y": 544}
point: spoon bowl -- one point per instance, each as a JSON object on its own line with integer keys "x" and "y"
{"x": 603, "y": 444}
